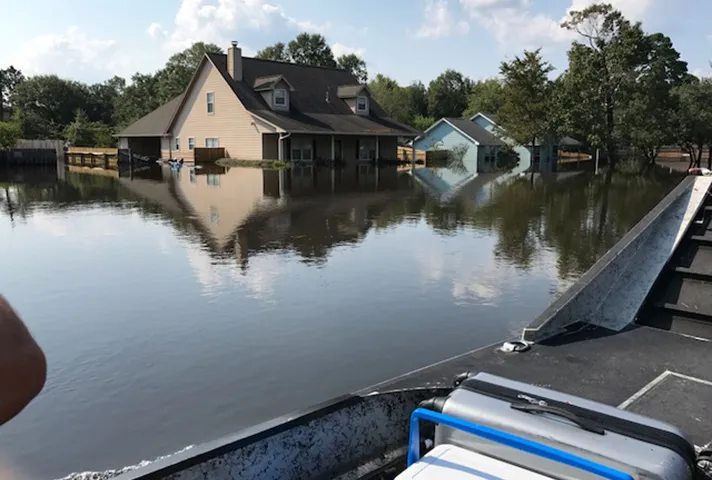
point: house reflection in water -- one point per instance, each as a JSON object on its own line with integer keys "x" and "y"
{"x": 305, "y": 208}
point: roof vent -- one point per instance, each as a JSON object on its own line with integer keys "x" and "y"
{"x": 234, "y": 43}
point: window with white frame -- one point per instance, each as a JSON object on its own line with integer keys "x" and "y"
{"x": 362, "y": 104}
{"x": 177, "y": 145}
{"x": 211, "y": 143}
{"x": 280, "y": 98}
{"x": 302, "y": 149}
{"x": 210, "y": 101}
{"x": 367, "y": 149}
{"x": 191, "y": 143}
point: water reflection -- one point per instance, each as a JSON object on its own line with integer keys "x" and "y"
{"x": 166, "y": 292}
{"x": 241, "y": 212}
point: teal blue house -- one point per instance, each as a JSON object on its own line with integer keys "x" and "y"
{"x": 480, "y": 145}
{"x": 484, "y": 138}
{"x": 543, "y": 157}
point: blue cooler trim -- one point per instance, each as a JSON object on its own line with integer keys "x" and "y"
{"x": 506, "y": 439}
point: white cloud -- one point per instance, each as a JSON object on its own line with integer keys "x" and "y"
{"x": 438, "y": 21}
{"x": 632, "y": 9}
{"x": 155, "y": 30}
{"x": 71, "y": 54}
{"x": 340, "y": 49}
{"x": 221, "y": 21}
{"x": 515, "y": 25}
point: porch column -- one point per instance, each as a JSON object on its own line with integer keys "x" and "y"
{"x": 333, "y": 149}
{"x": 333, "y": 174}
{"x": 412, "y": 154}
{"x": 378, "y": 153}
{"x": 280, "y": 148}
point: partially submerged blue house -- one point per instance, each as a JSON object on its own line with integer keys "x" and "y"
{"x": 480, "y": 145}
{"x": 484, "y": 138}
{"x": 544, "y": 155}
{"x": 476, "y": 147}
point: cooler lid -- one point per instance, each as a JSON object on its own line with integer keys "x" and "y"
{"x": 449, "y": 462}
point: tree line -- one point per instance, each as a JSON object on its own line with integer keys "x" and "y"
{"x": 624, "y": 91}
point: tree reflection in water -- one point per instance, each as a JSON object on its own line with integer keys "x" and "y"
{"x": 579, "y": 218}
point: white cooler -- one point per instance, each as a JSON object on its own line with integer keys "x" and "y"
{"x": 449, "y": 462}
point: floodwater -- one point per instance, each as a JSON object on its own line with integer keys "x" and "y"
{"x": 176, "y": 307}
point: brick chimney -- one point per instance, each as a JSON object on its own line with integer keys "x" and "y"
{"x": 234, "y": 61}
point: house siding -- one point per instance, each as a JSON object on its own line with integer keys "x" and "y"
{"x": 222, "y": 202}
{"x": 445, "y": 137}
{"x": 231, "y": 123}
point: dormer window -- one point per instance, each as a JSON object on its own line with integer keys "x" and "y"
{"x": 280, "y": 98}
{"x": 362, "y": 104}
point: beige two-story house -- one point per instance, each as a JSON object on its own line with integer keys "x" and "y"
{"x": 265, "y": 110}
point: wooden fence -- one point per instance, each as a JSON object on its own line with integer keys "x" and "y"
{"x": 28, "y": 156}
{"x": 208, "y": 155}
{"x": 405, "y": 154}
{"x": 94, "y": 150}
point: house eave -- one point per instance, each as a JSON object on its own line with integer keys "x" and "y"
{"x": 140, "y": 135}
{"x": 361, "y": 134}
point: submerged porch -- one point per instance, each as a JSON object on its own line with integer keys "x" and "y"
{"x": 329, "y": 148}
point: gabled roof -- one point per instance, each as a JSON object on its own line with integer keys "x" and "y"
{"x": 314, "y": 104}
{"x": 493, "y": 118}
{"x": 156, "y": 123}
{"x": 270, "y": 82}
{"x": 469, "y": 129}
{"x": 309, "y": 111}
{"x": 351, "y": 91}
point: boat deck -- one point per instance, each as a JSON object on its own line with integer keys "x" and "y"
{"x": 661, "y": 374}
{"x": 660, "y": 367}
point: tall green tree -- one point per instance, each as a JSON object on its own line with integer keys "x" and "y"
{"x": 447, "y": 94}
{"x": 103, "y": 99}
{"x": 648, "y": 117}
{"x": 422, "y": 122}
{"x": 486, "y": 96}
{"x": 79, "y": 132}
{"x": 311, "y": 49}
{"x": 10, "y": 77}
{"x": 179, "y": 69}
{"x": 526, "y": 90}
{"x": 693, "y": 119}
{"x": 602, "y": 74}
{"x": 139, "y": 98}
{"x": 10, "y": 133}
{"x": 354, "y": 64}
{"x": 418, "y": 98}
{"x": 46, "y": 104}
{"x": 277, "y": 52}
{"x": 394, "y": 99}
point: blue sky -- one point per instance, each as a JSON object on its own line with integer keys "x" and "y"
{"x": 91, "y": 40}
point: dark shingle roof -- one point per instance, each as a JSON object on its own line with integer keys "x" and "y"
{"x": 349, "y": 91}
{"x": 155, "y": 123}
{"x": 474, "y": 131}
{"x": 309, "y": 110}
{"x": 269, "y": 82}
